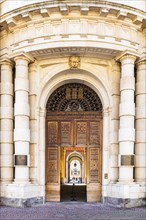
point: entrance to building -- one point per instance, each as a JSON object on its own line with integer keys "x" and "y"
{"x": 73, "y": 144}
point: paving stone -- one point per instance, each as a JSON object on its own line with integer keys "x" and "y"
{"x": 72, "y": 211}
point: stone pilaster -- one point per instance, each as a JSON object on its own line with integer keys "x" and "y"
{"x": 33, "y": 121}
{"x": 6, "y": 125}
{"x": 22, "y": 114}
{"x": 127, "y": 114}
{"x": 114, "y": 145}
{"x": 140, "y": 146}
{"x": 106, "y": 143}
{"x": 41, "y": 118}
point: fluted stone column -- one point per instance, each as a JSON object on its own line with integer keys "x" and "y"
{"x": 6, "y": 124}
{"x": 114, "y": 145}
{"x": 22, "y": 114}
{"x": 127, "y": 114}
{"x": 140, "y": 146}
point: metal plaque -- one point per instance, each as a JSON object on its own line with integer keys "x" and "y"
{"x": 21, "y": 160}
{"x": 127, "y": 160}
{"x": 106, "y": 176}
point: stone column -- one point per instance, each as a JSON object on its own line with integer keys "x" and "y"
{"x": 140, "y": 146}
{"x": 33, "y": 121}
{"x": 114, "y": 130}
{"x": 127, "y": 113}
{"x": 6, "y": 124}
{"x": 22, "y": 114}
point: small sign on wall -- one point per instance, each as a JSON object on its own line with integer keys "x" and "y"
{"x": 127, "y": 160}
{"x": 106, "y": 176}
{"x": 21, "y": 160}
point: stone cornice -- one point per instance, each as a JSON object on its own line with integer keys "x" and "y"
{"x": 44, "y": 9}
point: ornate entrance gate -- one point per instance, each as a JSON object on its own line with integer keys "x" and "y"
{"x": 73, "y": 124}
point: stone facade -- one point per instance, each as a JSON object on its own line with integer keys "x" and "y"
{"x": 37, "y": 40}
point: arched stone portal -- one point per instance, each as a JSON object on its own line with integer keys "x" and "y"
{"x": 73, "y": 124}
{"x": 53, "y": 81}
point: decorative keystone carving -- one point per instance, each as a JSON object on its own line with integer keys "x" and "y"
{"x": 74, "y": 62}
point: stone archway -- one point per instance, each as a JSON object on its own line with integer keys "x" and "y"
{"x": 73, "y": 156}
{"x": 56, "y": 81}
{"x": 73, "y": 123}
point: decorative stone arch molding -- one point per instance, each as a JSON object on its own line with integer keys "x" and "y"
{"x": 88, "y": 74}
{"x": 52, "y": 82}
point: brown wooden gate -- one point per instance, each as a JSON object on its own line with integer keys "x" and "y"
{"x": 73, "y": 129}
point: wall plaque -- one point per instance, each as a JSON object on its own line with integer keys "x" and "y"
{"x": 21, "y": 160}
{"x": 106, "y": 176}
{"x": 127, "y": 160}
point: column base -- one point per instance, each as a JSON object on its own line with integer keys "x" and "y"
{"x": 23, "y": 203}
{"x": 6, "y": 182}
{"x": 127, "y": 182}
{"x": 16, "y": 182}
{"x": 124, "y": 195}
{"x": 124, "y": 203}
{"x": 22, "y": 195}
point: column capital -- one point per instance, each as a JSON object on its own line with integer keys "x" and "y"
{"x": 141, "y": 62}
{"x": 23, "y": 56}
{"x": 115, "y": 65}
{"x": 6, "y": 61}
{"x": 41, "y": 112}
{"x": 106, "y": 111}
{"x": 33, "y": 66}
{"x": 127, "y": 55}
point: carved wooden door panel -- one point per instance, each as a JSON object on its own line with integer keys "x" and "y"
{"x": 94, "y": 162}
{"x": 52, "y": 162}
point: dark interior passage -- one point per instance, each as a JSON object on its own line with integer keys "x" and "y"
{"x": 73, "y": 192}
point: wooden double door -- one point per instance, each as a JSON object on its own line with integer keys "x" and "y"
{"x": 73, "y": 130}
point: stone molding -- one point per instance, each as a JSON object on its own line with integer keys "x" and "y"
{"x": 45, "y": 8}
{"x": 27, "y": 33}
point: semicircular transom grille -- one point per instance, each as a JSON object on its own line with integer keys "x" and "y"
{"x": 74, "y": 97}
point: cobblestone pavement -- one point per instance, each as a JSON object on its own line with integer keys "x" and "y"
{"x": 72, "y": 211}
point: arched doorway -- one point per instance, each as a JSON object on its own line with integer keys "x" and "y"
{"x": 73, "y": 128}
{"x": 75, "y": 168}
